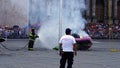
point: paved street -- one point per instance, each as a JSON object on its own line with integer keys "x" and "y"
{"x": 100, "y": 55}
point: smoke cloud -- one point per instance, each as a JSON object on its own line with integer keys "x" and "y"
{"x": 47, "y": 13}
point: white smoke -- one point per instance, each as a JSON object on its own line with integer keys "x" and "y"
{"x": 14, "y": 12}
{"x": 49, "y": 17}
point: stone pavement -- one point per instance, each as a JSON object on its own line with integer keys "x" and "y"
{"x": 99, "y": 56}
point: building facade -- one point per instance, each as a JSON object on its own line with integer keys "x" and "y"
{"x": 97, "y": 11}
{"x": 13, "y": 13}
{"x": 103, "y": 17}
{"x": 103, "y": 11}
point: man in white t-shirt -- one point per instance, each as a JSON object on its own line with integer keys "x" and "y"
{"x": 67, "y": 49}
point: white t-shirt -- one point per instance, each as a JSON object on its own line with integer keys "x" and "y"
{"x": 67, "y": 43}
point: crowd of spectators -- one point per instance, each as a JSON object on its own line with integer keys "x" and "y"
{"x": 94, "y": 30}
{"x": 13, "y": 32}
{"x": 103, "y": 30}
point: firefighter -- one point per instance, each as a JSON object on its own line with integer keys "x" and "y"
{"x": 32, "y": 37}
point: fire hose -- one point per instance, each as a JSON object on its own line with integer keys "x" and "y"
{"x": 13, "y": 49}
{"x": 2, "y": 40}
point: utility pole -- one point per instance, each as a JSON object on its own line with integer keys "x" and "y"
{"x": 60, "y": 19}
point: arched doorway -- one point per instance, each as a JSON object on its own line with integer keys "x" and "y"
{"x": 118, "y": 10}
{"x": 100, "y": 10}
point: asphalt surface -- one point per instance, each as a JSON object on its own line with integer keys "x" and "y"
{"x": 102, "y": 54}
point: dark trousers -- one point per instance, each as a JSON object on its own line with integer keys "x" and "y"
{"x": 66, "y": 56}
{"x": 30, "y": 44}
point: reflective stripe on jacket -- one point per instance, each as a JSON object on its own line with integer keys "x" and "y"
{"x": 32, "y": 37}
